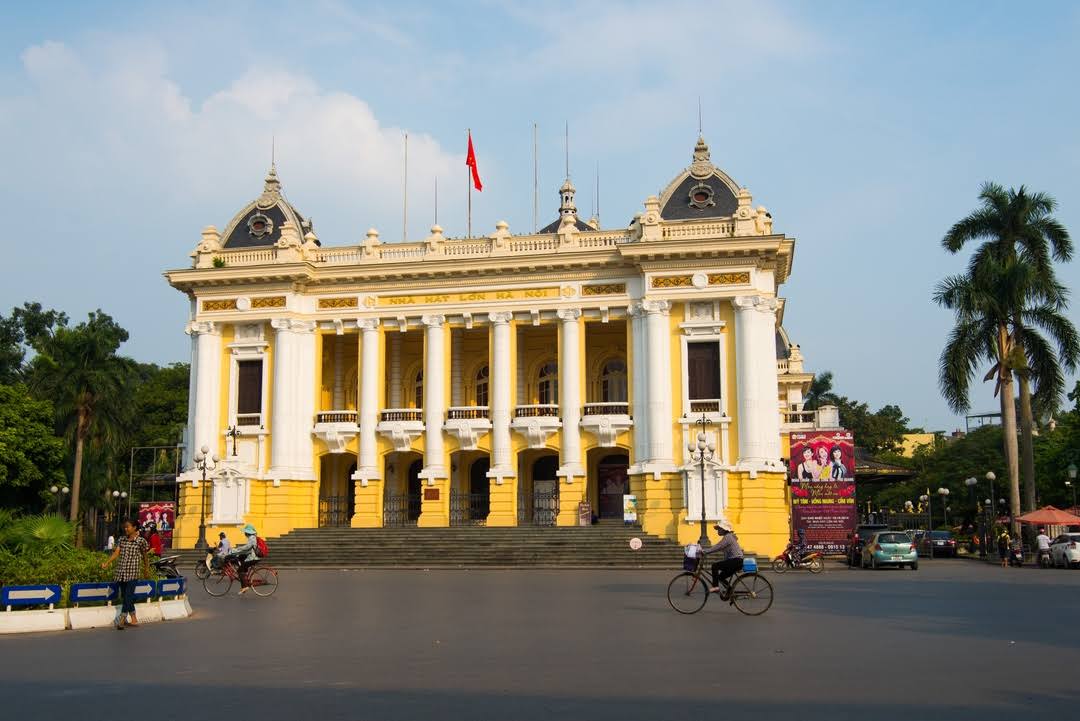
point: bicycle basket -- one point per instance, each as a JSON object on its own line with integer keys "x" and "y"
{"x": 749, "y": 564}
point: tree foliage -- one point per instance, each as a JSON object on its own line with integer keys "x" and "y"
{"x": 31, "y": 456}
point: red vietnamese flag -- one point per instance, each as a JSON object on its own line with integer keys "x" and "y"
{"x": 470, "y": 160}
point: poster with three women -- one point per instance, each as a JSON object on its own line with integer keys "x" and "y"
{"x": 822, "y": 473}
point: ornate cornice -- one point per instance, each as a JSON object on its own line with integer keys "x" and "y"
{"x": 500, "y": 318}
{"x": 568, "y": 315}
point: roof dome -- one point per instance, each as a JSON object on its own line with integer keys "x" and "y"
{"x": 259, "y": 223}
{"x": 700, "y": 191}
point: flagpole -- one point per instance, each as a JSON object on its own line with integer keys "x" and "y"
{"x": 468, "y": 183}
{"x": 436, "y": 200}
{"x": 405, "y": 194}
{"x": 536, "y": 185}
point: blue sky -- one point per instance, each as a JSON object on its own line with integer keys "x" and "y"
{"x": 865, "y": 128}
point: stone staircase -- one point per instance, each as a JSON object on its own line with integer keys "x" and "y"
{"x": 604, "y": 545}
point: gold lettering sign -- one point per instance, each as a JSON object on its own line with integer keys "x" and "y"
{"x": 272, "y": 301}
{"x": 608, "y": 289}
{"x": 729, "y": 278}
{"x": 337, "y": 302}
{"x": 226, "y": 304}
{"x": 478, "y": 296}
{"x": 673, "y": 281}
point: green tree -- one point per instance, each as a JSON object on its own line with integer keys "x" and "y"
{"x": 89, "y": 384}
{"x": 820, "y": 392}
{"x": 1016, "y": 225}
{"x": 19, "y": 329}
{"x": 31, "y": 457}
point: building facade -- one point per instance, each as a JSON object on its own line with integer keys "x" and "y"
{"x": 496, "y": 380}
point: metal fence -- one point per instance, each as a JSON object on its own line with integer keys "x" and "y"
{"x": 469, "y": 509}
{"x": 334, "y": 512}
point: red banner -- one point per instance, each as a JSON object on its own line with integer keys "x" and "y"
{"x": 161, "y": 515}
{"x": 822, "y": 473}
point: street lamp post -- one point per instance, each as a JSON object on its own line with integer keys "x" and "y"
{"x": 987, "y": 530}
{"x": 925, "y": 498}
{"x": 204, "y": 463}
{"x": 991, "y": 477}
{"x": 118, "y": 498}
{"x": 702, "y": 451}
{"x": 59, "y": 492}
{"x": 1071, "y": 483}
{"x": 944, "y": 493}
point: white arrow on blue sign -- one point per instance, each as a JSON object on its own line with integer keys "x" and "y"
{"x": 144, "y": 589}
{"x": 29, "y": 595}
{"x": 93, "y": 592}
{"x": 170, "y": 587}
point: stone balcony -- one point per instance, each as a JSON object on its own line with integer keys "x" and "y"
{"x": 467, "y": 424}
{"x": 536, "y": 422}
{"x": 336, "y": 429}
{"x": 606, "y": 421}
{"x": 809, "y": 420}
{"x": 402, "y": 426}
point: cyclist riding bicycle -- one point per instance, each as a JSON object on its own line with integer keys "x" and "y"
{"x": 732, "y": 561}
{"x": 246, "y": 556}
{"x": 798, "y": 548}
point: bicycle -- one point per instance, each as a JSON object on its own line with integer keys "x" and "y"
{"x": 262, "y": 578}
{"x": 751, "y": 593}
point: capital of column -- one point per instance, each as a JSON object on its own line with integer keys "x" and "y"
{"x": 656, "y": 306}
{"x": 568, "y": 315}
{"x": 201, "y": 327}
{"x": 367, "y": 324}
{"x": 433, "y": 321}
{"x": 500, "y": 318}
{"x": 293, "y": 325}
{"x": 755, "y": 302}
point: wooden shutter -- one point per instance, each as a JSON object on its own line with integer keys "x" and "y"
{"x": 249, "y": 387}
{"x": 703, "y": 365}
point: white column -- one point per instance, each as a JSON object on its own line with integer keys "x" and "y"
{"x": 640, "y": 392}
{"x": 500, "y": 396}
{"x": 755, "y": 364}
{"x": 339, "y": 373}
{"x": 204, "y": 405}
{"x": 570, "y": 393}
{"x": 394, "y": 394}
{"x": 434, "y": 397}
{"x": 292, "y": 400}
{"x": 658, "y": 374}
{"x": 519, "y": 363}
{"x": 366, "y": 465}
{"x": 457, "y": 388}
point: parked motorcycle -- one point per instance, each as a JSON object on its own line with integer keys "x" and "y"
{"x": 166, "y": 566}
{"x": 1016, "y": 557}
{"x": 812, "y": 561}
{"x": 1044, "y": 558}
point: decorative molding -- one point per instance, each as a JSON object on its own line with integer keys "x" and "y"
{"x": 755, "y": 302}
{"x": 742, "y": 278}
{"x": 478, "y": 296}
{"x": 605, "y": 289}
{"x": 433, "y": 321}
{"x": 367, "y": 323}
{"x": 672, "y": 281}
{"x": 200, "y": 327}
{"x": 656, "y": 306}
{"x": 216, "y": 305}
{"x": 568, "y": 315}
{"x": 271, "y": 301}
{"x": 346, "y": 302}
{"x": 293, "y": 325}
{"x": 500, "y": 318}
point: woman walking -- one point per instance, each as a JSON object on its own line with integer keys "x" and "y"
{"x": 131, "y": 550}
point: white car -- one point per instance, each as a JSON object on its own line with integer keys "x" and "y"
{"x": 1065, "y": 550}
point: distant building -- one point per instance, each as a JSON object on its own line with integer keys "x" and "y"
{"x": 498, "y": 380}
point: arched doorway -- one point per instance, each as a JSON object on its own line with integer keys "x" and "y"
{"x": 472, "y": 504}
{"x": 612, "y": 483}
{"x": 337, "y": 502}
{"x": 545, "y": 490}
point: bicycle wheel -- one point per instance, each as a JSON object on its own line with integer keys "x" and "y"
{"x": 201, "y": 571}
{"x": 687, "y": 593}
{"x": 263, "y": 580}
{"x": 816, "y": 565}
{"x": 217, "y": 583}
{"x": 779, "y": 565}
{"x": 752, "y": 594}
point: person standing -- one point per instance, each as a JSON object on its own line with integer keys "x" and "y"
{"x": 1003, "y": 548}
{"x": 131, "y": 551}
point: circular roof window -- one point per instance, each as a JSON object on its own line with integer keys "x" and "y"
{"x": 701, "y": 196}
{"x": 259, "y": 225}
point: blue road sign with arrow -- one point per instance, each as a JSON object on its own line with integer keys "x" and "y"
{"x": 29, "y": 595}
{"x": 143, "y": 590}
{"x": 86, "y": 592}
{"x": 171, "y": 586}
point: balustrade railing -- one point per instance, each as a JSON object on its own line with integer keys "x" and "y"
{"x": 537, "y": 410}
{"x": 606, "y": 409}
{"x": 402, "y": 414}
{"x": 249, "y": 419}
{"x": 705, "y": 405}
{"x": 799, "y": 417}
{"x": 467, "y": 413}
{"x": 336, "y": 417}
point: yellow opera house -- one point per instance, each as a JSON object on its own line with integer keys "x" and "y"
{"x": 499, "y": 380}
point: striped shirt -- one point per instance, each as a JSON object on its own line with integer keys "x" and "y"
{"x": 728, "y": 546}
{"x": 130, "y": 563}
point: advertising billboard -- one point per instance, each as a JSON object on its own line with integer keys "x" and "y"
{"x": 160, "y": 514}
{"x": 822, "y": 477}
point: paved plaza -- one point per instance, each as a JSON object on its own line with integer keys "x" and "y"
{"x": 955, "y": 640}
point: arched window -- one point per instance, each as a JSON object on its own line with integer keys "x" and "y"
{"x": 547, "y": 386}
{"x": 482, "y": 386}
{"x": 418, "y": 389}
{"x": 613, "y": 382}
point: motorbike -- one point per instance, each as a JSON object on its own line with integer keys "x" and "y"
{"x": 1016, "y": 557}
{"x": 166, "y": 566}
{"x": 1044, "y": 558}
{"x": 811, "y": 561}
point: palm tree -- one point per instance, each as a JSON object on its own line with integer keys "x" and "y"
{"x": 820, "y": 392}
{"x": 984, "y": 300}
{"x": 78, "y": 369}
{"x": 1017, "y": 224}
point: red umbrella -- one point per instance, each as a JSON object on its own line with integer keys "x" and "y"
{"x": 1050, "y": 516}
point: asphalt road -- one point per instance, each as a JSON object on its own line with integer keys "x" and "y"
{"x": 954, "y": 640}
